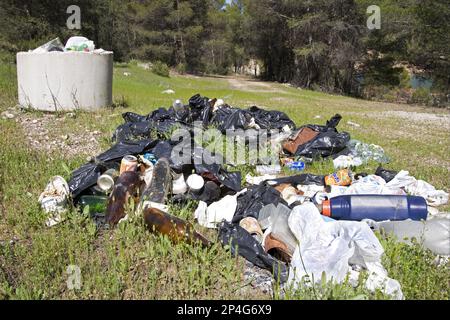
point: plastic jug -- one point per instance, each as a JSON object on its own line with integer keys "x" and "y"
{"x": 376, "y": 207}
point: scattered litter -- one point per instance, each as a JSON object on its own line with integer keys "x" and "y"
{"x": 290, "y": 225}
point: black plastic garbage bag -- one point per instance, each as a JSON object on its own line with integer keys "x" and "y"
{"x": 86, "y": 176}
{"x": 231, "y": 180}
{"x": 386, "y": 174}
{"x": 303, "y": 179}
{"x": 132, "y": 131}
{"x": 200, "y": 109}
{"x": 227, "y": 118}
{"x": 325, "y": 144}
{"x": 329, "y": 142}
{"x": 251, "y": 202}
{"x": 270, "y": 119}
{"x": 133, "y": 117}
{"x": 330, "y": 125}
{"x": 244, "y": 244}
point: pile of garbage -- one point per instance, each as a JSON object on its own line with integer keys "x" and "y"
{"x": 297, "y": 225}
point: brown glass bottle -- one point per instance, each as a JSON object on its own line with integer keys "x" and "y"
{"x": 176, "y": 229}
{"x": 126, "y": 186}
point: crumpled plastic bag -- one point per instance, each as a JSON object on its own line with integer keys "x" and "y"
{"x": 419, "y": 188}
{"x": 344, "y": 161}
{"x": 370, "y": 184}
{"x": 250, "y": 203}
{"x": 224, "y": 209}
{"x": 243, "y": 243}
{"x": 325, "y": 144}
{"x": 331, "y": 247}
{"x": 78, "y": 43}
{"x": 302, "y": 179}
{"x": 329, "y": 142}
{"x": 54, "y": 199}
{"x": 258, "y": 179}
{"x": 386, "y": 174}
{"x": 51, "y": 46}
{"x": 367, "y": 152}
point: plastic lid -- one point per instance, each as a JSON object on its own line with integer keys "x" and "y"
{"x": 326, "y": 208}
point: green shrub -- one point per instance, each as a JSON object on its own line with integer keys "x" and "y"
{"x": 405, "y": 79}
{"x": 161, "y": 69}
{"x": 421, "y": 96}
{"x": 181, "y": 68}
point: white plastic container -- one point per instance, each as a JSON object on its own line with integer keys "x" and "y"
{"x": 63, "y": 81}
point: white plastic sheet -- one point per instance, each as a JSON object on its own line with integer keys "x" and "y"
{"x": 371, "y": 184}
{"x": 419, "y": 188}
{"x": 331, "y": 247}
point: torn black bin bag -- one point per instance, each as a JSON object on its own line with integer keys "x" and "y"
{"x": 303, "y": 179}
{"x": 86, "y": 176}
{"x": 251, "y": 202}
{"x": 386, "y": 174}
{"x": 270, "y": 119}
{"x": 329, "y": 142}
{"x": 325, "y": 144}
{"x": 249, "y": 248}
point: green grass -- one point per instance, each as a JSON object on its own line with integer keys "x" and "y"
{"x": 129, "y": 262}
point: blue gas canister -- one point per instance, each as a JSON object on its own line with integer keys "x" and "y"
{"x": 376, "y": 207}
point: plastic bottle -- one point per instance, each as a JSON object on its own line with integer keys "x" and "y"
{"x": 375, "y": 207}
{"x": 176, "y": 229}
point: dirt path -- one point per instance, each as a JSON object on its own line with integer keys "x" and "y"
{"x": 253, "y": 85}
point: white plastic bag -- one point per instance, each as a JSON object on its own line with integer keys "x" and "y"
{"x": 419, "y": 188}
{"x": 347, "y": 162}
{"x": 223, "y": 209}
{"x": 79, "y": 44}
{"x": 331, "y": 247}
{"x": 54, "y": 199}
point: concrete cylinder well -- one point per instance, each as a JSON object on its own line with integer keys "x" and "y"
{"x": 63, "y": 81}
